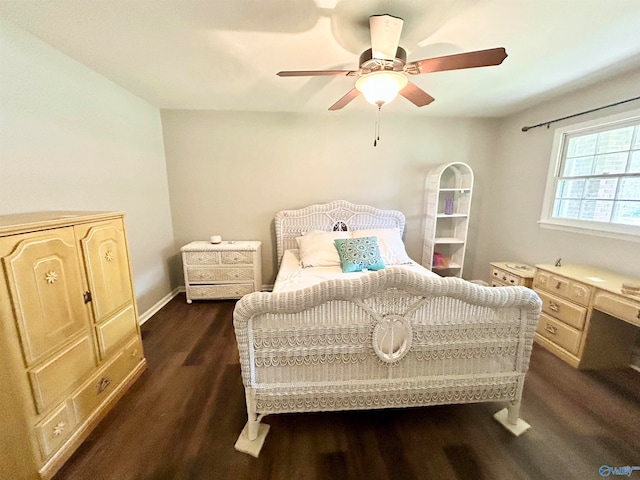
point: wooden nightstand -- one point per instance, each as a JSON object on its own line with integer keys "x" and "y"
{"x": 511, "y": 273}
{"x": 221, "y": 271}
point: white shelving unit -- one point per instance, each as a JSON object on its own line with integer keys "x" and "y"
{"x": 449, "y": 189}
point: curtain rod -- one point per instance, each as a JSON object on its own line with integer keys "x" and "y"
{"x": 529, "y": 127}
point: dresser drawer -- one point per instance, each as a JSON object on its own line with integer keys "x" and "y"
{"x": 563, "y": 310}
{"x": 563, "y": 287}
{"x": 54, "y": 378}
{"x": 106, "y": 380}
{"x": 559, "y": 333}
{"x": 201, "y": 258}
{"x": 618, "y": 306}
{"x": 219, "y": 274}
{"x": 201, "y": 292}
{"x": 55, "y": 429}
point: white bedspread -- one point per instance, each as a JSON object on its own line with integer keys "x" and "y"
{"x": 292, "y": 276}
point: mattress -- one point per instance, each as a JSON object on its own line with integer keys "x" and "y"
{"x": 292, "y": 276}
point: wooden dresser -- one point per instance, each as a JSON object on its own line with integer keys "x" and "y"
{"x": 586, "y": 319}
{"x": 70, "y": 342}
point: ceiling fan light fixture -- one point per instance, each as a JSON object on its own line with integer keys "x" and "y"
{"x": 381, "y": 87}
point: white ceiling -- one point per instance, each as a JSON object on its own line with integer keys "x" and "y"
{"x": 224, "y": 54}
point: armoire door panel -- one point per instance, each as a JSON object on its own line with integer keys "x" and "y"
{"x": 45, "y": 286}
{"x": 105, "y": 256}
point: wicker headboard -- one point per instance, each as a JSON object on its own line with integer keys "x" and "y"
{"x": 337, "y": 215}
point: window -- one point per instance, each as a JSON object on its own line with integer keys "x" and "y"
{"x": 594, "y": 178}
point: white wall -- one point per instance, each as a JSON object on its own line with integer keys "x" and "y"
{"x": 229, "y": 173}
{"x": 71, "y": 139}
{"x": 514, "y": 202}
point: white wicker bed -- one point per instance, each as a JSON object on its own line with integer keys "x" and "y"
{"x": 325, "y": 347}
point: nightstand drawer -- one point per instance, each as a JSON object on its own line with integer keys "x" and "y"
{"x": 238, "y": 257}
{"x": 202, "y": 258}
{"x": 202, "y": 274}
{"x": 559, "y": 333}
{"x": 197, "y": 292}
{"x": 503, "y": 277}
{"x": 563, "y": 310}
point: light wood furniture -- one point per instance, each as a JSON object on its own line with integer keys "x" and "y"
{"x": 70, "y": 342}
{"x": 225, "y": 270}
{"x": 503, "y": 274}
{"x": 586, "y": 319}
{"x": 449, "y": 188}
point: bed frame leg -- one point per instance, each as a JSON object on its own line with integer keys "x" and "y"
{"x": 510, "y": 419}
{"x": 253, "y": 434}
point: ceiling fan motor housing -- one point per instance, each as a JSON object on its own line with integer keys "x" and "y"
{"x": 369, "y": 64}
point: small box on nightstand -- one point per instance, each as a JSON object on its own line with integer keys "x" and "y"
{"x": 511, "y": 273}
{"x": 226, "y": 270}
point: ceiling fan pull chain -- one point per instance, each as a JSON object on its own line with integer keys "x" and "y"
{"x": 376, "y": 135}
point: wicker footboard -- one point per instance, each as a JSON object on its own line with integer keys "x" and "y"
{"x": 393, "y": 338}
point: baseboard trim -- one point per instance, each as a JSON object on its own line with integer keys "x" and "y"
{"x": 158, "y": 305}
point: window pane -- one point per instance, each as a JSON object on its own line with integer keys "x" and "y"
{"x": 598, "y": 188}
{"x": 627, "y": 213}
{"x": 629, "y": 188}
{"x": 582, "y": 146}
{"x": 636, "y": 144}
{"x": 634, "y": 165}
{"x": 570, "y": 188}
{"x": 567, "y": 209}
{"x": 596, "y": 210}
{"x": 615, "y": 140}
{"x": 578, "y": 166}
{"x": 611, "y": 163}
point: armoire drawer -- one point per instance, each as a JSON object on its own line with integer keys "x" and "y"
{"x": 569, "y": 313}
{"x": 115, "y": 330}
{"x": 55, "y": 429}
{"x": 106, "y": 380}
{"x": 51, "y": 380}
{"x": 559, "y": 333}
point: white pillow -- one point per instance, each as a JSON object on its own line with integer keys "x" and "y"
{"x": 390, "y": 244}
{"x": 318, "y": 250}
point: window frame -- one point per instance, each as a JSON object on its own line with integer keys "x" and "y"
{"x": 604, "y": 229}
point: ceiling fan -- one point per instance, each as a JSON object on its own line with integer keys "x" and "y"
{"x": 382, "y": 67}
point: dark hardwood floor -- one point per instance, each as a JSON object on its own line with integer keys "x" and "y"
{"x": 183, "y": 416}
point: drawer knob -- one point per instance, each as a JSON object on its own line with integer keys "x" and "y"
{"x": 59, "y": 428}
{"x": 558, "y": 285}
{"x": 638, "y": 316}
{"x": 103, "y": 384}
{"x": 551, "y": 329}
{"x": 553, "y": 307}
{"x": 504, "y": 277}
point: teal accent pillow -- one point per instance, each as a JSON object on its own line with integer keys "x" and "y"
{"x": 357, "y": 254}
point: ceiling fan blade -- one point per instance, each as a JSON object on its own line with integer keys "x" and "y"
{"x": 480, "y": 58}
{"x": 385, "y": 35}
{"x": 416, "y": 95}
{"x": 351, "y": 94}
{"x": 314, "y": 73}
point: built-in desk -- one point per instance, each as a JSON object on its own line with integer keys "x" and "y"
{"x": 586, "y": 320}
